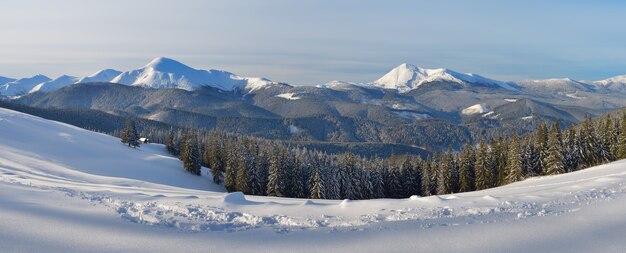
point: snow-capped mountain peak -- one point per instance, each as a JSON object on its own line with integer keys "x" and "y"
{"x": 55, "y": 84}
{"x": 105, "y": 75}
{"x": 22, "y": 86}
{"x": 163, "y": 72}
{"x": 616, "y": 83}
{"x": 406, "y": 77}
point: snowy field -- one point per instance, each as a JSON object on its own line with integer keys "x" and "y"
{"x": 65, "y": 189}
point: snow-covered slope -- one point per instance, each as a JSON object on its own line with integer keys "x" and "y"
{"x": 64, "y": 189}
{"x": 556, "y": 84}
{"x": 475, "y": 109}
{"x": 617, "y": 83}
{"x": 407, "y": 77}
{"x": 167, "y": 73}
{"x": 22, "y": 86}
{"x": 55, "y": 84}
{"x": 105, "y": 75}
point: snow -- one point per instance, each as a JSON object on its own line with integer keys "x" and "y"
{"x": 475, "y": 109}
{"x": 407, "y": 77}
{"x": 167, "y": 73}
{"x": 22, "y": 86}
{"x": 293, "y": 129}
{"x": 288, "y": 96}
{"x": 55, "y": 84}
{"x": 105, "y": 75}
{"x": 574, "y": 96}
{"x": 613, "y": 80}
{"x": 64, "y": 189}
{"x": 412, "y": 115}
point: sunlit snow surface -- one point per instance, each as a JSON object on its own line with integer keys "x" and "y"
{"x": 64, "y": 189}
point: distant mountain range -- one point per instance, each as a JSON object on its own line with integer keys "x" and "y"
{"x": 408, "y": 105}
{"x": 163, "y": 72}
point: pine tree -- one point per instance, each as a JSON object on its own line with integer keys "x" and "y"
{"x": 541, "y": 146}
{"x": 483, "y": 171}
{"x": 275, "y": 183}
{"x": 443, "y": 174}
{"x": 230, "y": 169}
{"x": 214, "y": 158}
{"x": 499, "y": 151}
{"x": 427, "y": 184}
{"x": 588, "y": 144}
{"x": 515, "y": 172}
{"x": 190, "y": 154}
{"x": 571, "y": 154}
{"x": 241, "y": 178}
{"x": 466, "y": 169}
{"x": 170, "y": 143}
{"x": 532, "y": 160}
{"x": 607, "y": 140}
{"x": 317, "y": 186}
{"x": 378, "y": 185}
{"x": 554, "y": 161}
{"x": 130, "y": 135}
{"x": 621, "y": 153}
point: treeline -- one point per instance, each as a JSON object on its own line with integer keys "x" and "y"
{"x": 261, "y": 167}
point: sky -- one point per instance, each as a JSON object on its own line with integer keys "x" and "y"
{"x": 314, "y": 42}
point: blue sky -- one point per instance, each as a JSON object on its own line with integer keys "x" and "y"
{"x": 313, "y": 42}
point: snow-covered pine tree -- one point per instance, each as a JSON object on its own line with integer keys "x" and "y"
{"x": 170, "y": 143}
{"x": 317, "y": 186}
{"x": 406, "y": 175}
{"x": 499, "y": 152}
{"x": 276, "y": 180}
{"x": 588, "y": 144}
{"x": 515, "y": 171}
{"x": 241, "y": 178}
{"x": 215, "y": 157}
{"x": 621, "y": 153}
{"x": 191, "y": 155}
{"x": 554, "y": 161}
{"x": 453, "y": 175}
{"x": 130, "y": 135}
{"x": 607, "y": 139}
{"x": 466, "y": 169}
{"x": 230, "y": 169}
{"x": 483, "y": 171}
{"x": 443, "y": 174}
{"x": 378, "y": 185}
{"x": 333, "y": 190}
{"x": 427, "y": 184}
{"x": 416, "y": 176}
{"x": 541, "y": 146}
{"x": 571, "y": 153}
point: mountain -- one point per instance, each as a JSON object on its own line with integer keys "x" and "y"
{"x": 55, "y": 84}
{"x": 22, "y": 86}
{"x": 556, "y": 85}
{"x": 167, "y": 73}
{"x": 408, "y": 77}
{"x": 617, "y": 83}
{"x": 105, "y": 75}
{"x": 4, "y": 80}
